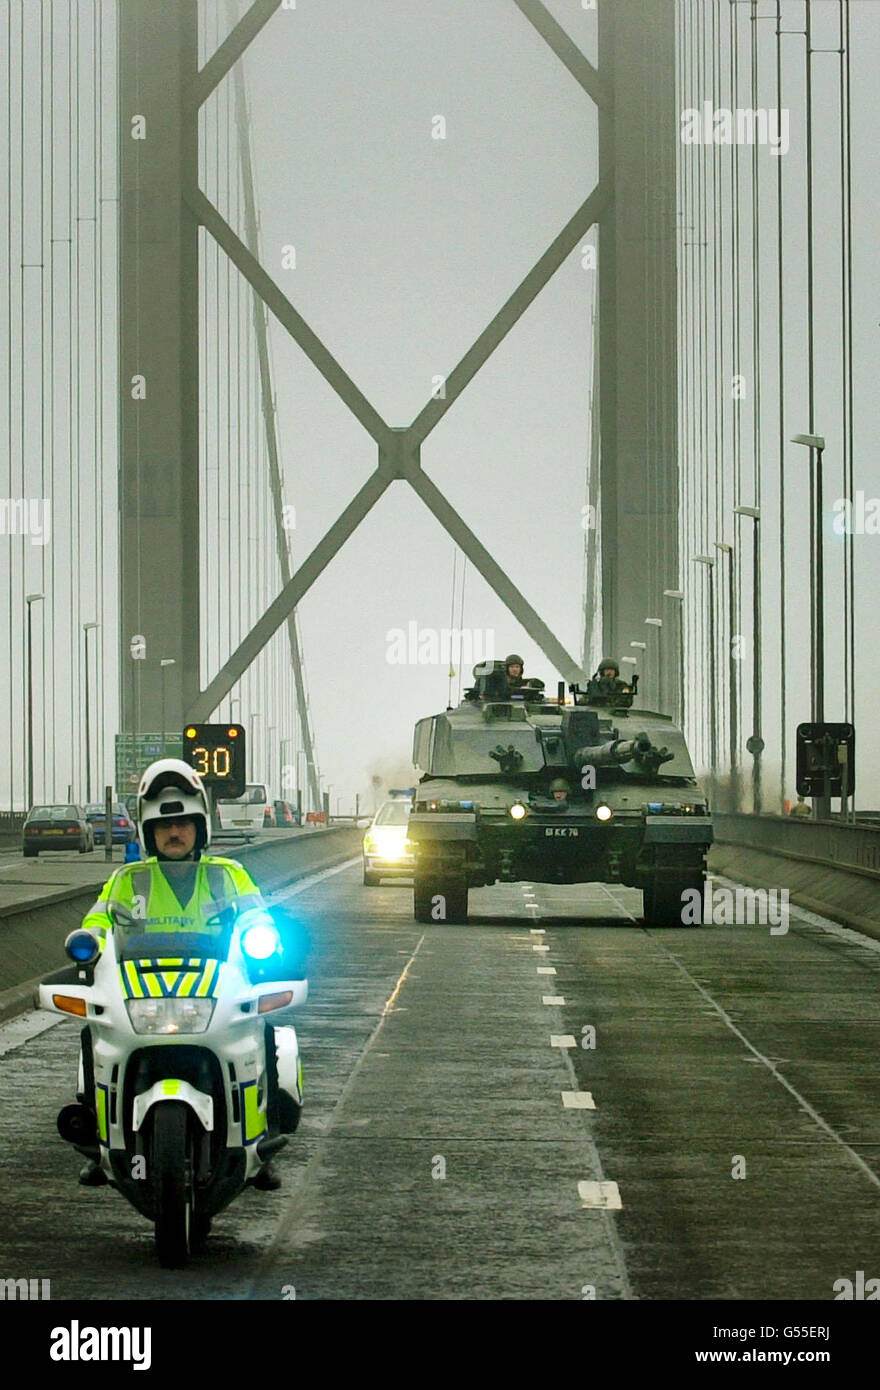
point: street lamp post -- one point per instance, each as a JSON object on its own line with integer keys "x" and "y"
{"x": 658, "y": 624}
{"x": 733, "y": 715}
{"x": 679, "y": 594}
{"x": 29, "y": 599}
{"x": 164, "y": 661}
{"x": 251, "y": 743}
{"x": 755, "y": 742}
{"x": 87, "y": 627}
{"x": 709, "y": 562}
{"x": 269, "y": 759}
{"x": 816, "y": 445}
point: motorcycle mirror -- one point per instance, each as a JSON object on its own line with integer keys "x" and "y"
{"x": 224, "y": 918}
{"x": 121, "y": 915}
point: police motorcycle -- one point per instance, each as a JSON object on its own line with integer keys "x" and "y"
{"x": 186, "y": 1090}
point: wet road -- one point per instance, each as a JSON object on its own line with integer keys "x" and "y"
{"x": 548, "y": 1103}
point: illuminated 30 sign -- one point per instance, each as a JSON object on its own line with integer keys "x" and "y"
{"x": 217, "y": 752}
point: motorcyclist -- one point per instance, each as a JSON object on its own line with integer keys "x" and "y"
{"x": 177, "y": 888}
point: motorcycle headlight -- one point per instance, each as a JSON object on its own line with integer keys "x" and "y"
{"x": 169, "y": 1015}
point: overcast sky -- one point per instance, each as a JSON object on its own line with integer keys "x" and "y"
{"x": 406, "y": 246}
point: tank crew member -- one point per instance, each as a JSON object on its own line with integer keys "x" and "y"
{"x": 514, "y": 667}
{"x": 559, "y": 790}
{"x": 800, "y": 808}
{"x": 607, "y": 678}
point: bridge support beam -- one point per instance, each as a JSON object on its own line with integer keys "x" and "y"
{"x": 158, "y": 355}
{"x": 638, "y": 386}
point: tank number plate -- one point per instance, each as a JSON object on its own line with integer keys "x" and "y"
{"x": 562, "y": 830}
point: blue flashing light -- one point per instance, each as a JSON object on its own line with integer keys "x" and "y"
{"x": 81, "y": 946}
{"x": 467, "y": 805}
{"x": 655, "y": 805}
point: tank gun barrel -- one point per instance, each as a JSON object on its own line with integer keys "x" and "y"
{"x": 623, "y": 750}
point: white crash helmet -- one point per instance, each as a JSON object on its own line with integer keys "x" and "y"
{"x": 171, "y": 788}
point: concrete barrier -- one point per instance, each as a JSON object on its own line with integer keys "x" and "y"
{"x": 828, "y": 867}
{"x": 32, "y": 937}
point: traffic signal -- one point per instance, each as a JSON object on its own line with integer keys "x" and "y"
{"x": 826, "y": 751}
{"x": 217, "y": 752}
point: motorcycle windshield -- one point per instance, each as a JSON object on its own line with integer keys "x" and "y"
{"x": 205, "y": 937}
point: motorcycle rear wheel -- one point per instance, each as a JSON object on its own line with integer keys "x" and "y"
{"x": 170, "y": 1170}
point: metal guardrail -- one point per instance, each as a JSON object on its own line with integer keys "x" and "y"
{"x": 835, "y": 845}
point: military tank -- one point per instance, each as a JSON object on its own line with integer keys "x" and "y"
{"x": 483, "y": 810}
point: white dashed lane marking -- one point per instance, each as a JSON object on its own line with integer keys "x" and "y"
{"x": 562, "y": 1040}
{"x": 553, "y": 999}
{"x": 604, "y": 1195}
{"x": 578, "y": 1100}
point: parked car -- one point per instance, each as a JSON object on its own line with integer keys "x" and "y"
{"x": 56, "y": 827}
{"x": 248, "y": 813}
{"x": 122, "y": 826}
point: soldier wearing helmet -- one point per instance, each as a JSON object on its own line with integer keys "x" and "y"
{"x": 559, "y": 789}
{"x": 607, "y": 679}
{"x": 514, "y": 667}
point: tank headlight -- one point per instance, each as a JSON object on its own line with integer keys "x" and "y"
{"x": 517, "y": 810}
{"x": 260, "y": 942}
{"x": 604, "y": 812}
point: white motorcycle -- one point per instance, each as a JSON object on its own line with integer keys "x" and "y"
{"x": 186, "y": 1089}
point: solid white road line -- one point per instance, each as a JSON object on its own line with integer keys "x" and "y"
{"x": 304, "y": 883}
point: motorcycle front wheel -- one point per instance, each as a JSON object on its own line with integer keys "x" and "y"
{"x": 170, "y": 1172}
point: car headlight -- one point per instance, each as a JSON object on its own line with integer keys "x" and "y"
{"x": 169, "y": 1015}
{"x": 388, "y": 843}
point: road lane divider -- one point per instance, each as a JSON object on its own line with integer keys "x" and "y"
{"x": 602, "y": 1196}
{"x": 578, "y": 1100}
